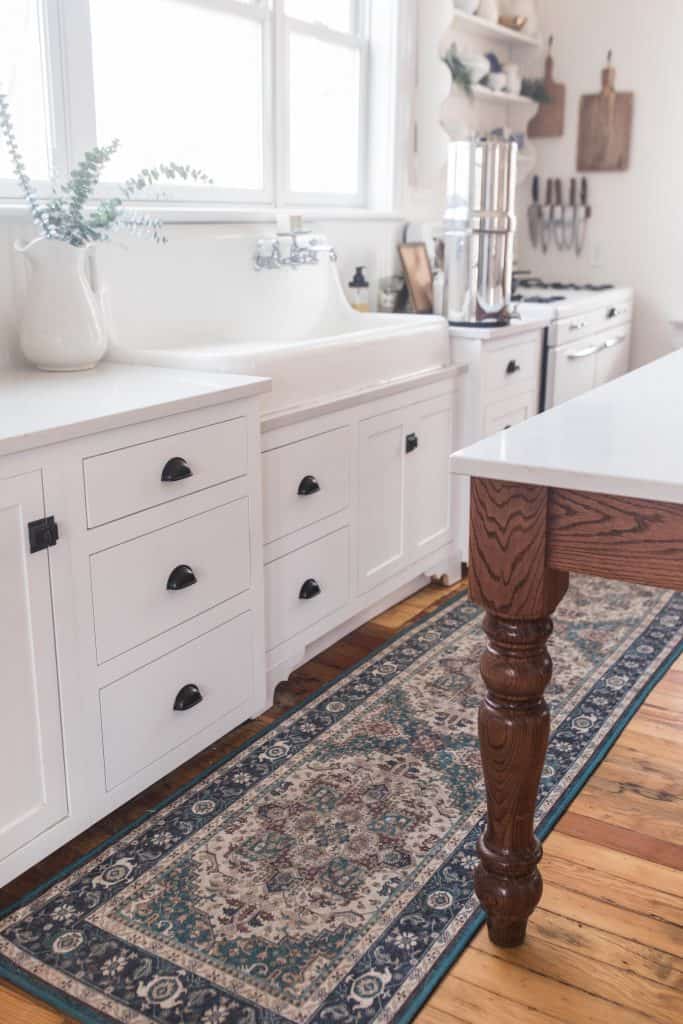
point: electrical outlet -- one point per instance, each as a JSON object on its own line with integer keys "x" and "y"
{"x": 597, "y": 254}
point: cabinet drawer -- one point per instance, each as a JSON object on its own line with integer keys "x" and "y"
{"x": 514, "y": 367}
{"x": 139, "y": 721}
{"x": 305, "y": 482}
{"x": 306, "y": 586}
{"x": 509, "y": 412}
{"x": 143, "y": 587}
{"x": 130, "y": 480}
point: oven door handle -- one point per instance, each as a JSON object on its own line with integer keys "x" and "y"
{"x": 584, "y": 353}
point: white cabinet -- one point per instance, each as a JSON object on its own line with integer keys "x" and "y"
{"x": 377, "y": 524}
{"x": 136, "y": 637}
{"x": 382, "y": 455}
{"x": 428, "y": 489}
{"x": 31, "y": 752}
{"x": 403, "y": 493}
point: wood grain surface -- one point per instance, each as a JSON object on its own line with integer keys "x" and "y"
{"x": 508, "y": 571}
{"x": 620, "y": 538}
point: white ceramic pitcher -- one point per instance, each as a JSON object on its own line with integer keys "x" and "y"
{"x": 62, "y": 327}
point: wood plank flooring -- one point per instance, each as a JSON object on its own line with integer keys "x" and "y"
{"x": 606, "y": 944}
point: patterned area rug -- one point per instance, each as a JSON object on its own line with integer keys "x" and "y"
{"x": 323, "y": 873}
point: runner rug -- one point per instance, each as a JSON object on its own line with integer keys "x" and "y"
{"x": 323, "y": 873}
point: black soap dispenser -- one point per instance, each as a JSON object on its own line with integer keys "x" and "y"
{"x": 360, "y": 291}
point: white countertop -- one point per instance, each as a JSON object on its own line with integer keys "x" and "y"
{"x": 38, "y": 408}
{"x": 625, "y": 438}
{"x": 500, "y": 333}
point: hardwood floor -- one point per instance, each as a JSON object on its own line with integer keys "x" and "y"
{"x": 605, "y": 945}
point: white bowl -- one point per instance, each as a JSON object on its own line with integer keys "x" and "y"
{"x": 497, "y": 80}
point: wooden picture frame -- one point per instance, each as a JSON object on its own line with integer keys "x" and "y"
{"x": 418, "y": 273}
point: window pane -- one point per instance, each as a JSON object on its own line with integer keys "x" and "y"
{"x": 179, "y": 80}
{"x": 336, "y": 14}
{"x": 21, "y": 77}
{"x": 324, "y": 116}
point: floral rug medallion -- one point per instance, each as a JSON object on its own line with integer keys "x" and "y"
{"x": 323, "y": 873}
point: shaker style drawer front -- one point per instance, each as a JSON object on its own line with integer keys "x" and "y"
{"x": 514, "y": 367}
{"x": 305, "y": 482}
{"x": 130, "y": 480}
{"x": 306, "y": 586}
{"x": 151, "y": 584}
{"x": 151, "y": 712}
{"x": 508, "y": 413}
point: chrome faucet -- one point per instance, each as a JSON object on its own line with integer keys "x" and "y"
{"x": 269, "y": 255}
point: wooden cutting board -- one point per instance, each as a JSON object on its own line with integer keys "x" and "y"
{"x": 605, "y": 126}
{"x": 549, "y": 121}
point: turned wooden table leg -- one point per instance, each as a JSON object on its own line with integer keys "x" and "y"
{"x": 509, "y": 578}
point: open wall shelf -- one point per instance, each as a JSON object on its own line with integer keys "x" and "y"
{"x": 497, "y": 33}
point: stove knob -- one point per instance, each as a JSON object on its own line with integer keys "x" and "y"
{"x": 611, "y": 313}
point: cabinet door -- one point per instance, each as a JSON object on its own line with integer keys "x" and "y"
{"x": 31, "y": 755}
{"x": 572, "y": 370}
{"x": 427, "y": 475}
{"x": 381, "y": 498}
{"x": 614, "y": 358}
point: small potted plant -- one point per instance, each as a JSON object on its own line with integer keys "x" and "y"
{"x": 62, "y": 325}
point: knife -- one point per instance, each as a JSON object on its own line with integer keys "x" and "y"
{"x": 547, "y": 216}
{"x": 570, "y": 217}
{"x": 558, "y": 216}
{"x": 535, "y": 211}
{"x": 584, "y": 213}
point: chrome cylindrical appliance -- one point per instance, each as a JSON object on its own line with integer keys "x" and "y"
{"x": 479, "y": 231}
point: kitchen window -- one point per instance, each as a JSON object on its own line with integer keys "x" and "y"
{"x": 272, "y": 98}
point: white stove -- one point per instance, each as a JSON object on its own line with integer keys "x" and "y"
{"x": 534, "y": 299}
{"x": 588, "y": 340}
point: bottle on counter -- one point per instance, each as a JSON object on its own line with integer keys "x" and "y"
{"x": 360, "y": 291}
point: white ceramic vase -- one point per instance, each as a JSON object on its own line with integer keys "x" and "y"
{"x": 62, "y": 326}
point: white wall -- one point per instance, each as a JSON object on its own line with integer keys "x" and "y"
{"x": 636, "y": 234}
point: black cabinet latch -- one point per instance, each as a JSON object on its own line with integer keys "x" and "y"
{"x": 412, "y": 442}
{"x": 42, "y": 534}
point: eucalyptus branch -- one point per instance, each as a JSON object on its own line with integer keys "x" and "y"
{"x": 66, "y": 215}
{"x": 460, "y": 73}
{"x": 37, "y": 209}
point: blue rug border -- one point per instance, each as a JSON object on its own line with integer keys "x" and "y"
{"x": 53, "y": 998}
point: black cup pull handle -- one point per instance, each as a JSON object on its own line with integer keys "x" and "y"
{"x": 175, "y": 470}
{"x": 309, "y": 590}
{"x": 309, "y": 485}
{"x": 187, "y": 698}
{"x": 411, "y": 443}
{"x": 181, "y": 578}
{"x": 513, "y": 367}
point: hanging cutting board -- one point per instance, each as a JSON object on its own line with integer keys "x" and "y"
{"x": 549, "y": 121}
{"x": 605, "y": 126}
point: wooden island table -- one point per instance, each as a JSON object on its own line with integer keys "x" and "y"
{"x": 594, "y": 486}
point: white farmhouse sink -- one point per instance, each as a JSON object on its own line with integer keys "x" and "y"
{"x": 201, "y": 305}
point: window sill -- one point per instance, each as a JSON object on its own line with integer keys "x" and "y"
{"x": 178, "y": 213}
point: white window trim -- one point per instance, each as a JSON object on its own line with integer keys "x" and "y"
{"x": 71, "y": 119}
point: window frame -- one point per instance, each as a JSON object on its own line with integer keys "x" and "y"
{"x": 359, "y": 40}
{"x": 70, "y": 104}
